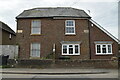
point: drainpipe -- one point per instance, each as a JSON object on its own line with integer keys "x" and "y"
{"x": 54, "y": 52}
{"x": 89, "y": 37}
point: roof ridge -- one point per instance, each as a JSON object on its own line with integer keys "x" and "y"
{"x": 53, "y": 8}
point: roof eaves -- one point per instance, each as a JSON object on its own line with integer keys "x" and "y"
{"x": 12, "y": 32}
{"x": 7, "y": 28}
{"x": 50, "y": 17}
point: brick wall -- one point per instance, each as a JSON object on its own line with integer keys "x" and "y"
{"x": 5, "y": 40}
{"x": 98, "y": 35}
{"x": 53, "y": 31}
{"x": 109, "y": 64}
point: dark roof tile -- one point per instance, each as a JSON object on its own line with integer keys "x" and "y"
{"x": 53, "y": 12}
{"x": 6, "y": 28}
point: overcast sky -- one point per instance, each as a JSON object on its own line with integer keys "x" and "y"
{"x": 104, "y": 12}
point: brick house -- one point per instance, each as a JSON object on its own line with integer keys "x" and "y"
{"x": 7, "y": 35}
{"x": 8, "y": 45}
{"x": 64, "y": 31}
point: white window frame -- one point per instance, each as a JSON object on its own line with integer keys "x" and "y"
{"x": 10, "y": 36}
{"x": 101, "y": 46}
{"x": 73, "y": 49}
{"x": 39, "y": 27}
{"x": 69, "y": 26}
{"x": 32, "y": 49}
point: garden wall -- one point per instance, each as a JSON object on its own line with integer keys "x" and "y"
{"x": 64, "y": 63}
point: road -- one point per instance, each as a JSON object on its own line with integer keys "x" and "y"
{"x": 109, "y": 75}
{"x": 62, "y": 79}
{"x": 105, "y": 76}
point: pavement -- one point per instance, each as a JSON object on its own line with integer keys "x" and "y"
{"x": 56, "y": 71}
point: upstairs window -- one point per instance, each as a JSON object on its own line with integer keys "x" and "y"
{"x": 103, "y": 48}
{"x": 10, "y": 36}
{"x": 70, "y": 27}
{"x": 36, "y": 27}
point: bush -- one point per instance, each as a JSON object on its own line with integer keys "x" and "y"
{"x": 64, "y": 57}
{"x": 49, "y": 56}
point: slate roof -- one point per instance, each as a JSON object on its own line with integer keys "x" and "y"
{"x": 54, "y": 12}
{"x": 6, "y": 28}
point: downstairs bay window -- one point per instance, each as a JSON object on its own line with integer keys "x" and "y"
{"x": 70, "y": 49}
{"x": 103, "y": 49}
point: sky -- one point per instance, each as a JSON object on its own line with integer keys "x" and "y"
{"x": 104, "y": 12}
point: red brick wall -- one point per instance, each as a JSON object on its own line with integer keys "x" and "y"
{"x": 98, "y": 35}
{"x": 53, "y": 31}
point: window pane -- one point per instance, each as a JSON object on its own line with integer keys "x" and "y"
{"x": 32, "y": 53}
{"x": 70, "y": 30}
{"x": 109, "y": 49}
{"x": 69, "y": 23}
{"x": 37, "y": 53}
{"x": 65, "y": 49}
{"x": 70, "y": 50}
{"x": 76, "y": 49}
{"x": 35, "y": 30}
{"x": 70, "y": 45}
{"x": 35, "y": 46}
{"x": 67, "y": 29}
{"x": 98, "y": 49}
{"x": 35, "y": 50}
{"x": 104, "y": 49}
{"x": 36, "y": 25}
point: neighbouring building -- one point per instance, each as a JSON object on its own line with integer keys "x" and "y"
{"x": 64, "y": 31}
{"x": 7, "y": 35}
{"x": 7, "y": 41}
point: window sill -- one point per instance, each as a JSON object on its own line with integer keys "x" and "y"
{"x": 70, "y": 34}
{"x": 70, "y": 54}
{"x": 35, "y": 34}
{"x": 34, "y": 57}
{"x": 104, "y": 54}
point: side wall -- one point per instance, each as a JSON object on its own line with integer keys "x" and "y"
{"x": 98, "y": 35}
{"x": 53, "y": 31}
{"x": 11, "y": 50}
{"x": 6, "y": 40}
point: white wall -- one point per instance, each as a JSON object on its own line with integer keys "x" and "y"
{"x": 11, "y": 50}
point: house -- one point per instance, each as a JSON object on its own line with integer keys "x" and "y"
{"x": 8, "y": 45}
{"x": 8, "y": 35}
{"x": 63, "y": 31}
